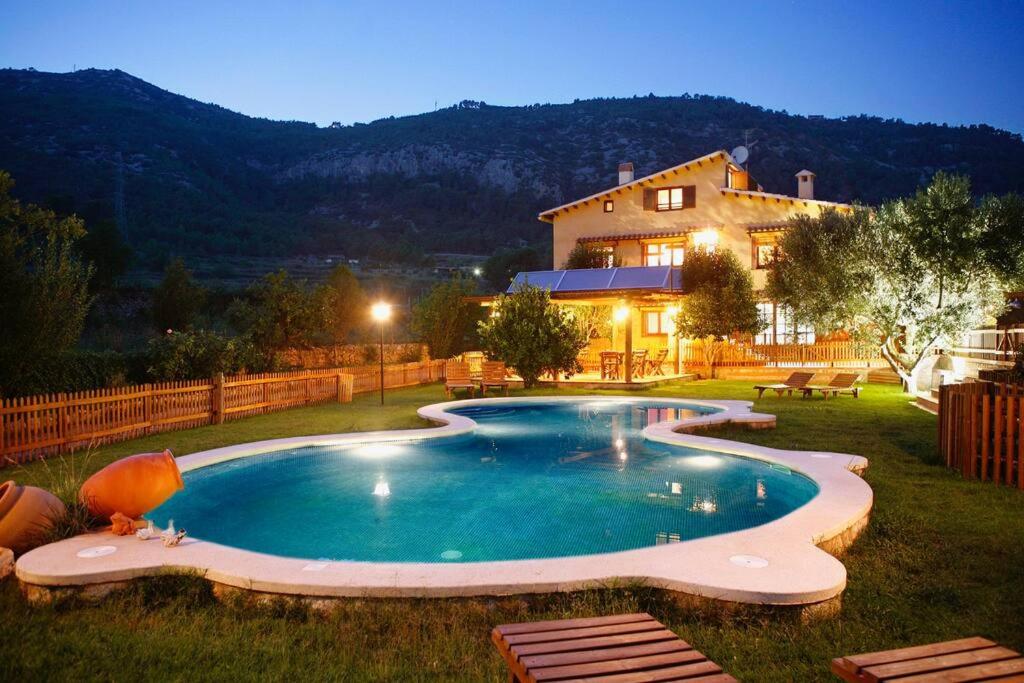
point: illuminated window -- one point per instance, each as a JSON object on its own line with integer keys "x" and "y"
{"x": 764, "y": 254}
{"x": 657, "y": 322}
{"x": 608, "y": 254}
{"x": 609, "y": 206}
{"x": 663, "y": 254}
{"x": 781, "y": 328}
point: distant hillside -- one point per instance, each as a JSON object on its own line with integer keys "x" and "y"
{"x": 188, "y": 177}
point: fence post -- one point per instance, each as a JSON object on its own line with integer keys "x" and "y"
{"x": 147, "y": 408}
{"x": 218, "y": 399}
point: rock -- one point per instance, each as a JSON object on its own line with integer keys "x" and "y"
{"x": 6, "y": 563}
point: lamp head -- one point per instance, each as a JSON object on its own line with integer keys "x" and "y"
{"x": 380, "y": 311}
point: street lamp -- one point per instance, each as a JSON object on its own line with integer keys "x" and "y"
{"x": 381, "y": 312}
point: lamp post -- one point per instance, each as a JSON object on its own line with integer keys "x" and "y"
{"x": 381, "y": 312}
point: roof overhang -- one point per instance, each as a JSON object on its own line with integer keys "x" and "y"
{"x": 719, "y": 155}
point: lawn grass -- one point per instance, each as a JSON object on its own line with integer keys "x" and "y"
{"x": 942, "y": 558}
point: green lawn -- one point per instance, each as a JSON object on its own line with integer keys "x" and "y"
{"x": 942, "y": 558}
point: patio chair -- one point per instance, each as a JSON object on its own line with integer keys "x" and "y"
{"x": 843, "y": 383}
{"x": 796, "y": 382}
{"x": 493, "y": 376}
{"x": 457, "y": 376}
{"x": 967, "y": 659}
{"x": 611, "y": 364}
{"x": 624, "y": 647}
{"x": 639, "y": 363}
{"x": 656, "y": 365}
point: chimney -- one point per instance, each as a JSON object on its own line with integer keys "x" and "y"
{"x": 626, "y": 173}
{"x": 805, "y": 184}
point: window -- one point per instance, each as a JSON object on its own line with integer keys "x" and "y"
{"x": 671, "y": 198}
{"x": 663, "y": 254}
{"x": 656, "y": 323}
{"x": 608, "y": 254}
{"x": 609, "y": 206}
{"x": 764, "y": 254}
{"x": 781, "y": 328}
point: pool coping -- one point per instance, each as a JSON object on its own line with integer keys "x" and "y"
{"x": 723, "y": 567}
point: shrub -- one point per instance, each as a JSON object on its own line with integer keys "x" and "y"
{"x": 195, "y": 355}
{"x": 533, "y": 336}
{"x": 177, "y": 300}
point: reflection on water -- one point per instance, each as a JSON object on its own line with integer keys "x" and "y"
{"x": 534, "y": 480}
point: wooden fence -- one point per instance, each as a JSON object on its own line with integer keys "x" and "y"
{"x": 36, "y": 426}
{"x": 981, "y": 431}
{"x": 822, "y": 354}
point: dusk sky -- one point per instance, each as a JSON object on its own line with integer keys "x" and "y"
{"x": 953, "y": 62}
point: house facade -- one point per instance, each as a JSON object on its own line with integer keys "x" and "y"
{"x": 711, "y": 202}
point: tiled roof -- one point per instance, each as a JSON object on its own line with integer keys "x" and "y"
{"x": 657, "y": 234}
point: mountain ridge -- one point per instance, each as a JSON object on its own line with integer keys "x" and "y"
{"x": 184, "y": 176}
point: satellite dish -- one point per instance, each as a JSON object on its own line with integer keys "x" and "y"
{"x": 740, "y": 154}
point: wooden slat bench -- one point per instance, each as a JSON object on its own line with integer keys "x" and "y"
{"x": 968, "y": 659}
{"x": 626, "y": 648}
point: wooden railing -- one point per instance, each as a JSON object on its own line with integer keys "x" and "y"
{"x": 35, "y": 426}
{"x": 980, "y": 431}
{"x": 990, "y": 345}
{"x": 822, "y": 354}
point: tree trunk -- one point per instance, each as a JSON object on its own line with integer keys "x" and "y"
{"x": 904, "y": 370}
{"x": 709, "y": 346}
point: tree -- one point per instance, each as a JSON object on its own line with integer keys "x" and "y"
{"x": 915, "y": 274}
{"x": 531, "y": 335}
{"x": 342, "y": 304}
{"x": 500, "y": 268}
{"x": 1002, "y": 238}
{"x": 177, "y": 300}
{"x": 444, "y": 320}
{"x": 585, "y": 256}
{"x": 278, "y": 313}
{"x": 718, "y": 302}
{"x": 44, "y": 295}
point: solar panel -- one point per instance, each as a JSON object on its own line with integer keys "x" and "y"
{"x": 601, "y": 279}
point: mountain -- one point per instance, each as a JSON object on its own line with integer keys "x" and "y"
{"x": 182, "y": 176}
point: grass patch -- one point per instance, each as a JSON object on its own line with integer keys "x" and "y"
{"x": 942, "y": 558}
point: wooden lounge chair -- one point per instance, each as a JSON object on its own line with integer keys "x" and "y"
{"x": 656, "y": 365}
{"x": 611, "y": 364}
{"x": 796, "y": 382}
{"x": 969, "y": 659}
{"x": 625, "y": 647}
{"x": 457, "y": 376}
{"x": 493, "y": 376}
{"x": 843, "y": 383}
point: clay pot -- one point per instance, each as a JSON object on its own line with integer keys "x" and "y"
{"x": 132, "y": 486}
{"x": 26, "y": 514}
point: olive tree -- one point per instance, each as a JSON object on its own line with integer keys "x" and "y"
{"x": 718, "y": 302}
{"x": 532, "y": 335}
{"x": 917, "y": 273}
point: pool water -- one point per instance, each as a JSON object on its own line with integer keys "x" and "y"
{"x": 534, "y": 480}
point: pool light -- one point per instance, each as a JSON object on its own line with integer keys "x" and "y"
{"x": 382, "y": 489}
{"x": 378, "y": 450}
{"x": 704, "y": 462}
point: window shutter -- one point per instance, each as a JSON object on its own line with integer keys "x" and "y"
{"x": 689, "y": 196}
{"x": 650, "y": 200}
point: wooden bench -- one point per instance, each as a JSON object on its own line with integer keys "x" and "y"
{"x": 969, "y": 659}
{"x": 626, "y": 648}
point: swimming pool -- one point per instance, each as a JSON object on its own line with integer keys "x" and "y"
{"x": 531, "y": 480}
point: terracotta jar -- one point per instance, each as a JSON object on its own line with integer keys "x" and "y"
{"x": 27, "y": 513}
{"x": 132, "y": 486}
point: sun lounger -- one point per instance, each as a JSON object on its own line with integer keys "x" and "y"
{"x": 796, "y": 382}
{"x": 967, "y": 659}
{"x": 625, "y": 647}
{"x": 493, "y": 376}
{"x": 457, "y": 376}
{"x": 843, "y": 383}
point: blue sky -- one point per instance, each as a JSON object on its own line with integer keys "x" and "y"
{"x": 954, "y": 62}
